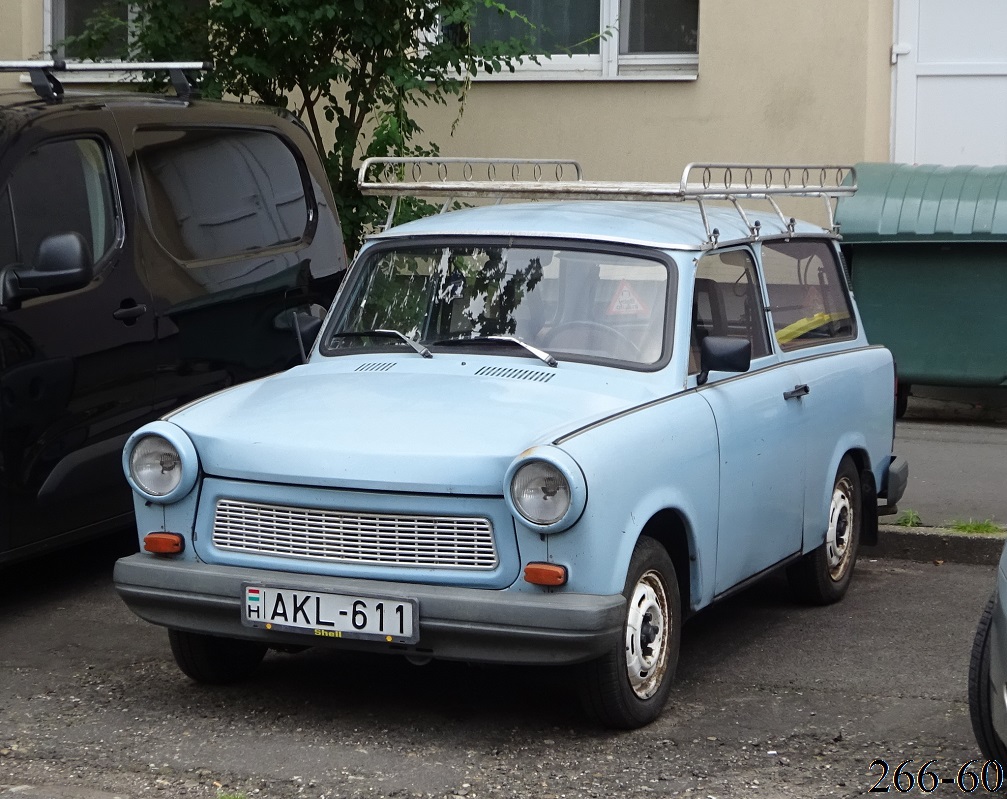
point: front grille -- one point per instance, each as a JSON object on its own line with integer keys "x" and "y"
{"x": 455, "y": 542}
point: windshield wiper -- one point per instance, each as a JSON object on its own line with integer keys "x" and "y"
{"x": 384, "y": 334}
{"x": 540, "y": 354}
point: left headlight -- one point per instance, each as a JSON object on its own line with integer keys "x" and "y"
{"x": 155, "y": 465}
{"x": 160, "y": 462}
{"x": 546, "y": 488}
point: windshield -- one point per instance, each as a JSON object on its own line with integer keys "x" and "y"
{"x": 573, "y": 304}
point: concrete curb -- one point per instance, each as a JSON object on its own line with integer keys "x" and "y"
{"x": 926, "y": 544}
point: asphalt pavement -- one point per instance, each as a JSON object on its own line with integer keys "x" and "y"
{"x": 955, "y": 440}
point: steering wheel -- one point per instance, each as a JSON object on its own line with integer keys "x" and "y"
{"x": 593, "y": 338}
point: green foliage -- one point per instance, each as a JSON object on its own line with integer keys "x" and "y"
{"x": 362, "y": 66}
{"x": 973, "y": 526}
{"x": 909, "y": 518}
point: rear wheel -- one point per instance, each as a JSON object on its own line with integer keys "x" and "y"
{"x": 980, "y": 698}
{"x": 823, "y": 575}
{"x": 214, "y": 660}
{"x": 628, "y": 687}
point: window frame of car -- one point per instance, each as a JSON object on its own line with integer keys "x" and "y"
{"x": 757, "y": 294}
{"x": 375, "y": 250}
{"x": 103, "y": 262}
{"x": 799, "y": 344}
{"x": 610, "y": 62}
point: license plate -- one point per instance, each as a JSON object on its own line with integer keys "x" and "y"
{"x": 330, "y": 615}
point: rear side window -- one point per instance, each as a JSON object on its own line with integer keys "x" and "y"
{"x": 220, "y": 193}
{"x": 808, "y": 301}
{"x": 59, "y": 187}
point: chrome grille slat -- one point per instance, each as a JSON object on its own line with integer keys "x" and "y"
{"x": 457, "y": 542}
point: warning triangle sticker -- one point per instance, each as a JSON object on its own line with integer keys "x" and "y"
{"x": 626, "y": 302}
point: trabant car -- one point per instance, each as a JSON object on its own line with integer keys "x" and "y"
{"x": 536, "y": 432}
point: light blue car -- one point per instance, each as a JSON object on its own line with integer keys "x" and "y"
{"x": 535, "y": 433}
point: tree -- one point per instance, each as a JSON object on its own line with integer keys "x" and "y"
{"x": 364, "y": 66}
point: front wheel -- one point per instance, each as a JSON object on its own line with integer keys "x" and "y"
{"x": 823, "y": 575}
{"x": 628, "y": 687}
{"x": 980, "y": 697}
{"x": 213, "y": 660}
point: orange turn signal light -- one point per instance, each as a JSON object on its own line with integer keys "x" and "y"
{"x": 164, "y": 543}
{"x": 545, "y": 574}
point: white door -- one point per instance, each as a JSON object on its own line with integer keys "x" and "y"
{"x": 950, "y": 82}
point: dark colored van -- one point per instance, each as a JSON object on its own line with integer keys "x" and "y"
{"x": 153, "y": 249}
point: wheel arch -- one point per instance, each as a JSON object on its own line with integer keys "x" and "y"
{"x": 868, "y": 495}
{"x": 671, "y": 530}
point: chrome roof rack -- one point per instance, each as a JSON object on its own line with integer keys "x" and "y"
{"x": 530, "y": 179}
{"x": 48, "y": 87}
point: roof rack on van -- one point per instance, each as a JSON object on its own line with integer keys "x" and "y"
{"x": 48, "y": 87}
{"x": 500, "y": 178}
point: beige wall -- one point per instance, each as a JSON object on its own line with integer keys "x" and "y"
{"x": 779, "y": 81}
{"x": 20, "y": 34}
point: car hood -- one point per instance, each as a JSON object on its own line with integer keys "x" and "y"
{"x": 444, "y": 425}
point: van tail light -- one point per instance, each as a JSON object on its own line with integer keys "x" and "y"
{"x": 163, "y": 543}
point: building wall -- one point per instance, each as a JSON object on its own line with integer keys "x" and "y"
{"x": 779, "y": 81}
{"x": 20, "y": 34}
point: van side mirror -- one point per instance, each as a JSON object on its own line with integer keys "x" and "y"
{"x": 62, "y": 263}
{"x": 723, "y": 354}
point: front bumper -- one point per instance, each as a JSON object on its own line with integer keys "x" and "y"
{"x": 472, "y": 624}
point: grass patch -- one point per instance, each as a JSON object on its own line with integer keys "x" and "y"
{"x": 909, "y": 518}
{"x": 972, "y": 526}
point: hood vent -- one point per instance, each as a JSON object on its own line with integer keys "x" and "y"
{"x": 516, "y": 374}
{"x": 374, "y": 367}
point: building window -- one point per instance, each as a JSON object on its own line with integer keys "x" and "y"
{"x": 599, "y": 39}
{"x": 65, "y": 18}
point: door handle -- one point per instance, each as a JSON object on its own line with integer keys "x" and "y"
{"x": 797, "y": 392}
{"x": 129, "y": 312}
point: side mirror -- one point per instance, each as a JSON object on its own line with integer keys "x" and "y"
{"x": 723, "y": 354}
{"x": 62, "y": 263}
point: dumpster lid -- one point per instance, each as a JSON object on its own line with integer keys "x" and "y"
{"x": 907, "y": 203}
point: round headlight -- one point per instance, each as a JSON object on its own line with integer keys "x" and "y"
{"x": 540, "y": 492}
{"x": 155, "y": 465}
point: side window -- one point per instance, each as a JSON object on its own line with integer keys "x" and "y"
{"x": 726, "y": 303}
{"x": 220, "y": 194}
{"x": 807, "y": 298}
{"x": 58, "y": 187}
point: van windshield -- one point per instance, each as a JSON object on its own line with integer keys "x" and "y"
{"x": 572, "y": 304}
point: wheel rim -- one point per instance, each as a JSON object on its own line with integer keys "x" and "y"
{"x": 838, "y": 543}
{"x": 647, "y": 635}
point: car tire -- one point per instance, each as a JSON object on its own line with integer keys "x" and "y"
{"x": 213, "y": 660}
{"x": 980, "y": 699}
{"x": 823, "y": 575}
{"x": 627, "y": 688}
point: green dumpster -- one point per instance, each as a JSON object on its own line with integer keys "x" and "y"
{"x": 927, "y": 251}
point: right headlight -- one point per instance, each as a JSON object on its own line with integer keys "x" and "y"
{"x": 160, "y": 462}
{"x": 546, "y": 488}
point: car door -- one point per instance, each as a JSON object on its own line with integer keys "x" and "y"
{"x": 811, "y": 314}
{"x": 77, "y": 374}
{"x": 759, "y": 422}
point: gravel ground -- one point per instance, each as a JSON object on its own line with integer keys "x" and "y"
{"x": 772, "y": 699}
